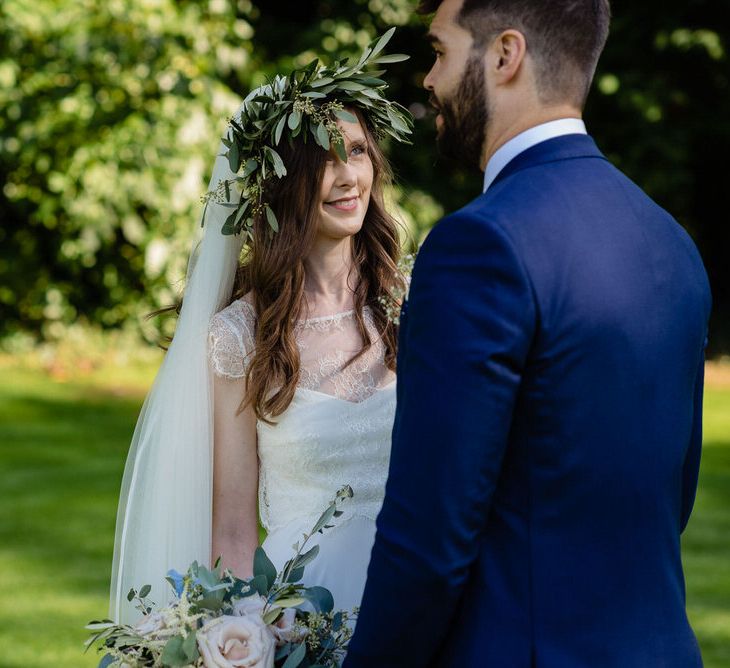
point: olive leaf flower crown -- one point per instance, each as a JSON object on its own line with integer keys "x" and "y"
{"x": 307, "y": 102}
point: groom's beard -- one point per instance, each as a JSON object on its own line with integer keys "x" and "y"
{"x": 465, "y": 117}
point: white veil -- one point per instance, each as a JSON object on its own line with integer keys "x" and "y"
{"x": 165, "y": 506}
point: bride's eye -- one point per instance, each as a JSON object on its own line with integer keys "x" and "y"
{"x": 358, "y": 150}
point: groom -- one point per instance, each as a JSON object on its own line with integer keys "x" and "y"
{"x": 547, "y": 439}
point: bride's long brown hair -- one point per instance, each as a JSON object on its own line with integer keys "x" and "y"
{"x": 272, "y": 271}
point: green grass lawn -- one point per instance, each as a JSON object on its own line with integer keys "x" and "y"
{"x": 706, "y": 542}
{"x": 62, "y": 450}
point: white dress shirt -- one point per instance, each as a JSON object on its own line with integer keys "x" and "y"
{"x": 528, "y": 139}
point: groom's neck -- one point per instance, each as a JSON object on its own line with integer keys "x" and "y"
{"x": 505, "y": 126}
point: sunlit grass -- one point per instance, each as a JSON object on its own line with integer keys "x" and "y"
{"x": 62, "y": 447}
{"x": 62, "y": 450}
{"x": 706, "y": 543}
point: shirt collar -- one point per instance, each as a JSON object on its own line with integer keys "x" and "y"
{"x": 527, "y": 139}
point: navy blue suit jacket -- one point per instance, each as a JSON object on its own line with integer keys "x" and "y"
{"x": 547, "y": 438}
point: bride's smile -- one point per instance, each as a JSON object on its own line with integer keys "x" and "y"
{"x": 344, "y": 204}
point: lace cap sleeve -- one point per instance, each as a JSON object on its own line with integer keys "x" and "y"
{"x": 230, "y": 340}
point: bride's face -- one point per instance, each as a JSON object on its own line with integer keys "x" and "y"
{"x": 345, "y": 190}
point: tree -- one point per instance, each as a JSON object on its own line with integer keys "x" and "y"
{"x": 109, "y": 113}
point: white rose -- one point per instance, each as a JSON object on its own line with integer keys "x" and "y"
{"x": 251, "y": 605}
{"x": 236, "y": 642}
{"x": 285, "y": 629}
{"x": 150, "y": 624}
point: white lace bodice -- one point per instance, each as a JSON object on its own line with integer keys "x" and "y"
{"x": 337, "y": 429}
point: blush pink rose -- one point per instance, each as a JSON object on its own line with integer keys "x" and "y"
{"x": 150, "y": 624}
{"x": 285, "y": 629}
{"x": 236, "y": 642}
{"x": 251, "y": 605}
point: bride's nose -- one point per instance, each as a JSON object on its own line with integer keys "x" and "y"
{"x": 345, "y": 173}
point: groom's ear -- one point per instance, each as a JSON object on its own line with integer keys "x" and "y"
{"x": 506, "y": 55}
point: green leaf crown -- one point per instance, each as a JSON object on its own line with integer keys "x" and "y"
{"x": 307, "y": 102}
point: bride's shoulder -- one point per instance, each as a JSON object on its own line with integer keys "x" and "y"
{"x": 231, "y": 337}
{"x": 239, "y": 313}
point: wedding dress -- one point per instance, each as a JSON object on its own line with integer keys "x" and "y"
{"x": 335, "y": 432}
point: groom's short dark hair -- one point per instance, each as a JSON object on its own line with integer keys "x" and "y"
{"x": 564, "y": 37}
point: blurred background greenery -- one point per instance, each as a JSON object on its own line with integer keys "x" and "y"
{"x": 111, "y": 110}
{"x": 110, "y": 113}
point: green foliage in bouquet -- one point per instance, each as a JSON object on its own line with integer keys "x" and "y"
{"x": 263, "y": 613}
{"x": 305, "y": 104}
{"x": 393, "y": 303}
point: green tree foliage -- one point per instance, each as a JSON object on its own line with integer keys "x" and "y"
{"x": 110, "y": 113}
{"x": 660, "y": 111}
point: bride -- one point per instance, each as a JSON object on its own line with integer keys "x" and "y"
{"x": 279, "y": 385}
{"x": 308, "y": 353}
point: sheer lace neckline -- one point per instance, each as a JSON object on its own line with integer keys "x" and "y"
{"x": 318, "y": 318}
{"x": 331, "y": 316}
{"x": 331, "y": 355}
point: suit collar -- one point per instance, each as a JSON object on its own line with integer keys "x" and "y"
{"x": 527, "y": 139}
{"x": 566, "y": 147}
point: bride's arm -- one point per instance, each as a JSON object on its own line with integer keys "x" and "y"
{"x": 235, "y": 479}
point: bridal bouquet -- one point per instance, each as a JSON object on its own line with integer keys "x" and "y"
{"x": 220, "y": 621}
